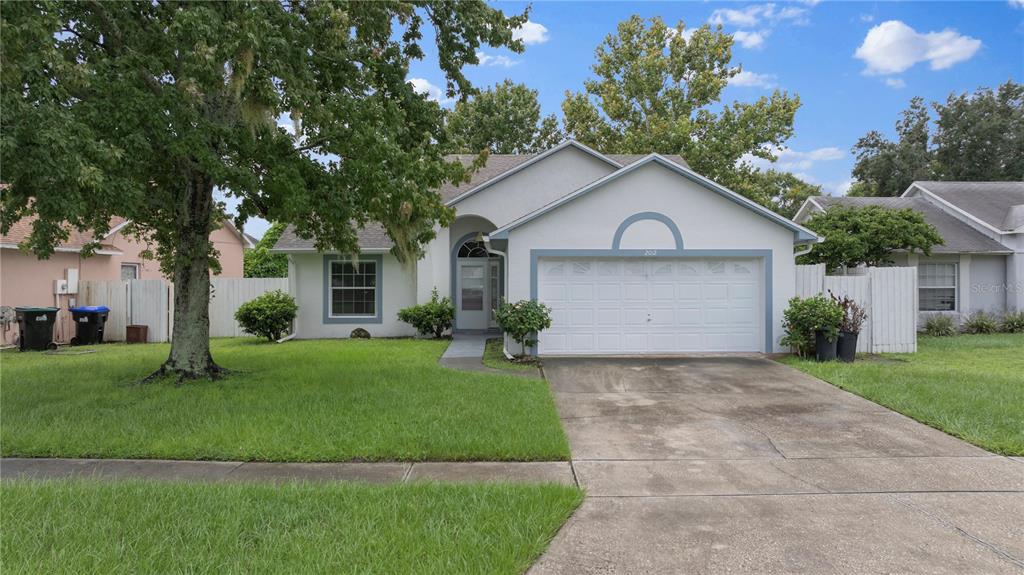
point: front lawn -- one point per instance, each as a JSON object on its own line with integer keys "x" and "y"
{"x": 143, "y": 527}
{"x": 323, "y": 400}
{"x": 970, "y": 386}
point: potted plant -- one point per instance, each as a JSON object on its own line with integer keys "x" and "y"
{"x": 854, "y": 315}
{"x": 813, "y": 324}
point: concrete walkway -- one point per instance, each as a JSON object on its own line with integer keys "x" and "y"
{"x": 743, "y": 465}
{"x": 466, "y": 352}
{"x": 386, "y": 472}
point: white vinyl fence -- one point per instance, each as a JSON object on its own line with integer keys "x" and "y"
{"x": 888, "y": 294}
{"x": 151, "y": 302}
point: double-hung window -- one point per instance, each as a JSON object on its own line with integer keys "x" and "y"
{"x": 937, "y": 285}
{"x": 353, "y": 289}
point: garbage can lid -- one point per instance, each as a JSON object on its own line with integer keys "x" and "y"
{"x": 90, "y": 308}
{"x": 38, "y": 309}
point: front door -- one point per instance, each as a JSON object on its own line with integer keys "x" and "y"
{"x": 473, "y": 294}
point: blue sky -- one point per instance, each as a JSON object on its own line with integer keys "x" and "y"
{"x": 855, "y": 65}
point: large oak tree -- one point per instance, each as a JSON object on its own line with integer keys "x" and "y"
{"x": 143, "y": 109}
{"x": 504, "y": 119}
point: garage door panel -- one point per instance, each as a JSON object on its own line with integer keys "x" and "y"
{"x": 609, "y": 292}
{"x": 645, "y": 306}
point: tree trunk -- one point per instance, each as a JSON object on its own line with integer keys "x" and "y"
{"x": 190, "y": 340}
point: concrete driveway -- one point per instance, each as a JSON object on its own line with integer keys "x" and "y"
{"x": 743, "y": 465}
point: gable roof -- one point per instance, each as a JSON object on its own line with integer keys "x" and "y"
{"x": 502, "y": 166}
{"x": 959, "y": 237}
{"x": 800, "y": 233}
{"x": 373, "y": 236}
{"x": 989, "y": 203}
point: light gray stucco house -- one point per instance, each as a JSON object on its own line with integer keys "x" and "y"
{"x": 980, "y": 267}
{"x": 635, "y": 255}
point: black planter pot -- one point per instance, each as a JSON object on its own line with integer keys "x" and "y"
{"x": 824, "y": 350}
{"x": 846, "y": 346}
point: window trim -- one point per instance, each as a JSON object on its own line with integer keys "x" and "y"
{"x": 378, "y": 260}
{"x": 137, "y": 267}
{"x": 955, "y": 287}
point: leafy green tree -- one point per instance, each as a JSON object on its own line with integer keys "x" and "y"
{"x": 976, "y": 137}
{"x": 783, "y": 192}
{"x": 142, "y": 109}
{"x": 658, "y": 91}
{"x": 887, "y": 168}
{"x": 504, "y": 119}
{"x": 259, "y": 262}
{"x": 868, "y": 235}
{"x": 980, "y": 136}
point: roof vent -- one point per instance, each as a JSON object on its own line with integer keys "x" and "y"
{"x": 1014, "y": 218}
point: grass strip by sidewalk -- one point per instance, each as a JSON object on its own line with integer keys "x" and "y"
{"x": 309, "y": 400}
{"x": 88, "y": 526}
{"x": 970, "y": 386}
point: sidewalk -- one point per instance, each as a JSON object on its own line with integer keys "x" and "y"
{"x": 215, "y": 471}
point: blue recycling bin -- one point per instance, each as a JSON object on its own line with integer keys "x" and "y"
{"x": 89, "y": 321}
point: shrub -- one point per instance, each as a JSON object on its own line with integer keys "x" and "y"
{"x": 522, "y": 320}
{"x": 805, "y": 316}
{"x": 854, "y": 314}
{"x": 980, "y": 322}
{"x": 432, "y": 318}
{"x": 939, "y": 326}
{"x": 1013, "y": 322}
{"x": 270, "y": 315}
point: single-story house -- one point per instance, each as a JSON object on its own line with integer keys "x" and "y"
{"x": 26, "y": 280}
{"x": 980, "y": 265}
{"x": 634, "y": 254}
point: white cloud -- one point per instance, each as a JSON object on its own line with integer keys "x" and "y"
{"x": 531, "y": 33}
{"x": 840, "y": 188}
{"x": 495, "y": 60}
{"x": 892, "y": 47}
{"x": 870, "y": 17}
{"x": 429, "y": 90}
{"x": 756, "y": 13}
{"x": 751, "y": 40}
{"x": 791, "y": 160}
{"x": 747, "y": 79}
{"x": 1016, "y": 3}
{"x": 896, "y": 83}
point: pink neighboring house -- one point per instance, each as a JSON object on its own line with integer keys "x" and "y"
{"x": 28, "y": 281}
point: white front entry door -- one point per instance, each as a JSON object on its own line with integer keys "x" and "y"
{"x": 473, "y": 293}
{"x": 651, "y": 306}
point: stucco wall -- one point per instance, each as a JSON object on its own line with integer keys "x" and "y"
{"x": 398, "y": 285}
{"x": 988, "y": 283}
{"x": 565, "y": 171}
{"x": 706, "y": 221}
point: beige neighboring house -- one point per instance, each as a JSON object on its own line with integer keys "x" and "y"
{"x": 26, "y": 280}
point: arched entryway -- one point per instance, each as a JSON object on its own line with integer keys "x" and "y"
{"x": 477, "y": 284}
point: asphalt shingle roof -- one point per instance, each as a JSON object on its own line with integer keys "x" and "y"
{"x": 990, "y": 202}
{"x": 959, "y": 237}
{"x": 374, "y": 237}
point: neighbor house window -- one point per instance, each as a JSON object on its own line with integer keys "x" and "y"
{"x": 129, "y": 271}
{"x": 937, "y": 286}
{"x": 353, "y": 288}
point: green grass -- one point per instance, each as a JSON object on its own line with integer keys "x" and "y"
{"x": 145, "y": 527}
{"x": 495, "y": 358}
{"x": 314, "y": 400}
{"x": 970, "y": 386}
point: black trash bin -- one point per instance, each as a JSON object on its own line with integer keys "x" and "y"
{"x": 89, "y": 320}
{"x": 35, "y": 327}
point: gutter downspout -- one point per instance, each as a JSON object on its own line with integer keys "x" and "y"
{"x": 504, "y": 258}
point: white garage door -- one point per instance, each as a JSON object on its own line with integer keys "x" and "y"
{"x": 651, "y": 306}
